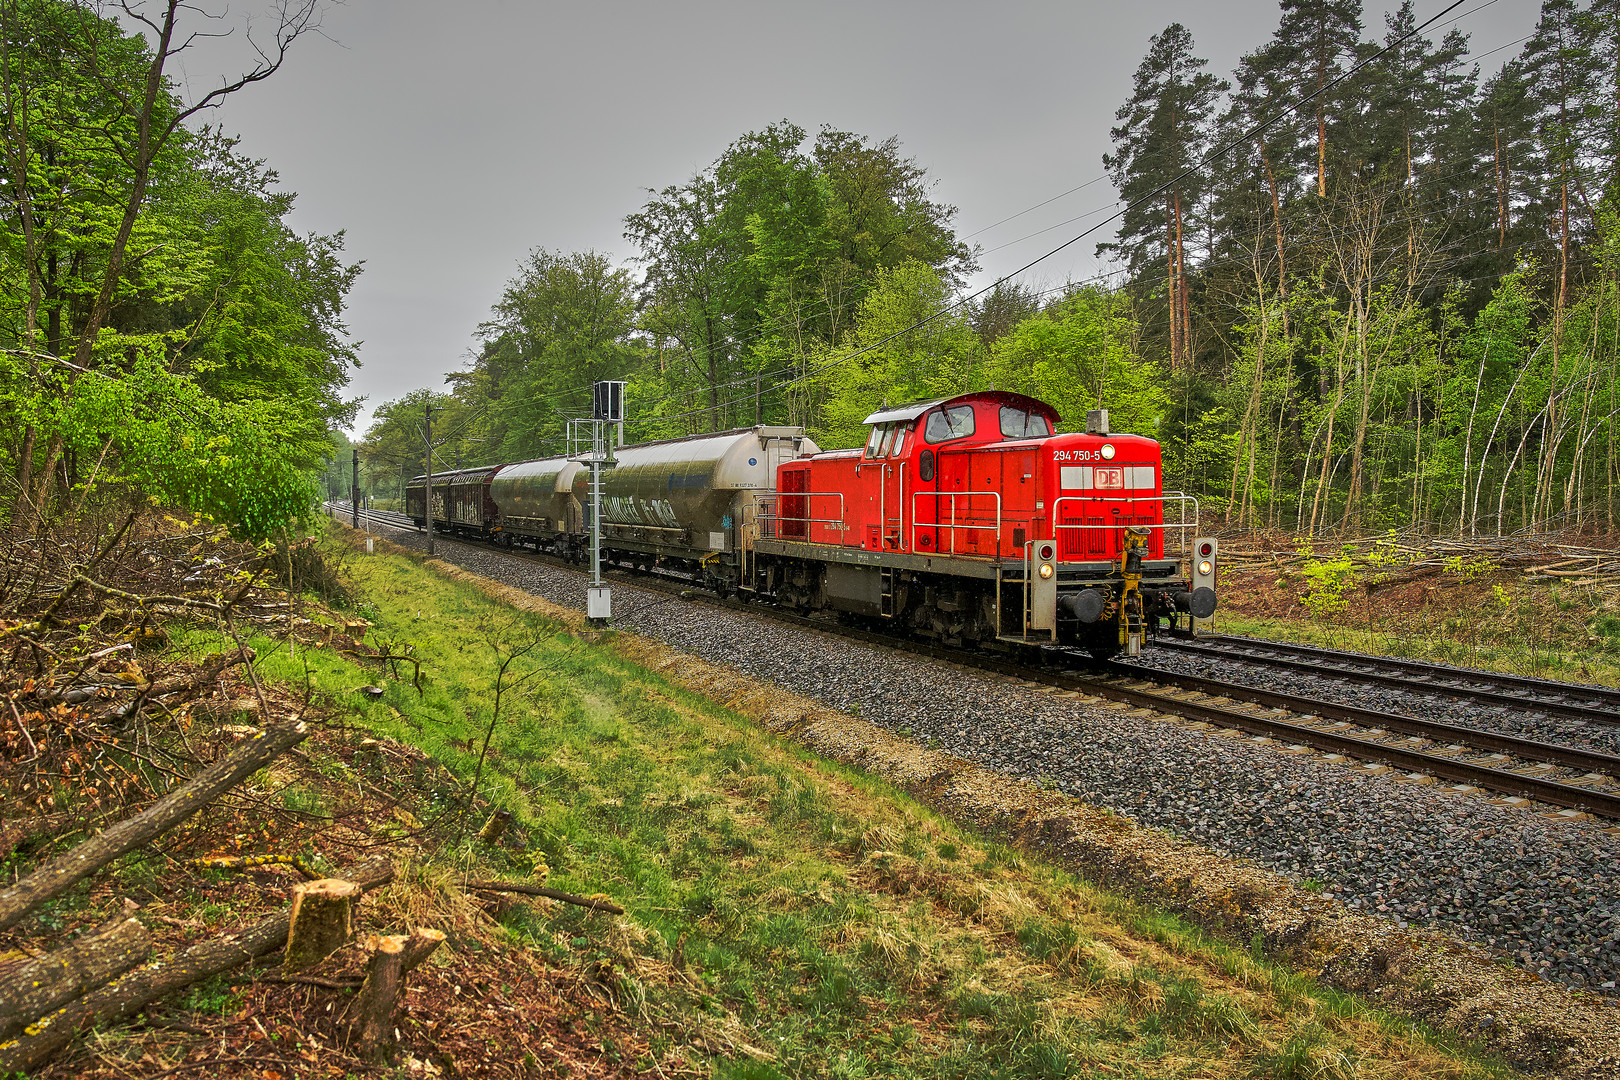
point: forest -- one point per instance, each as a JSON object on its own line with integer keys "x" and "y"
{"x": 165, "y": 335}
{"x": 1357, "y": 285}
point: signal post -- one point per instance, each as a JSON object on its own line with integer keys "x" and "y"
{"x": 606, "y": 422}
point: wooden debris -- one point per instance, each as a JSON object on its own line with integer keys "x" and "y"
{"x": 322, "y": 921}
{"x": 422, "y": 944}
{"x": 249, "y": 862}
{"x": 372, "y": 1023}
{"x": 495, "y": 826}
{"x": 38, "y": 986}
{"x": 57, "y": 877}
{"x": 550, "y": 894}
{"x": 129, "y": 994}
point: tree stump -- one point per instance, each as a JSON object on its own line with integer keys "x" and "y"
{"x": 495, "y": 826}
{"x": 372, "y": 1025}
{"x": 421, "y": 945}
{"x": 322, "y": 921}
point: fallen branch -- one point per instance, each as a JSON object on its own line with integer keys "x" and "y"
{"x": 190, "y": 684}
{"x": 386, "y": 657}
{"x": 308, "y": 980}
{"x": 550, "y": 894}
{"x": 58, "y": 876}
{"x": 253, "y": 862}
{"x": 35, "y": 988}
{"x": 128, "y": 995}
{"x": 142, "y": 602}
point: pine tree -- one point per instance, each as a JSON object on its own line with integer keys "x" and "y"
{"x": 1311, "y": 41}
{"x": 1164, "y": 131}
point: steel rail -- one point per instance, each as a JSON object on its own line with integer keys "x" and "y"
{"x": 1548, "y": 791}
{"x": 1551, "y": 792}
{"x": 1428, "y": 670}
{"x": 1468, "y": 737}
{"x": 1322, "y": 668}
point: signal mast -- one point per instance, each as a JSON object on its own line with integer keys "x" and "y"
{"x": 606, "y": 430}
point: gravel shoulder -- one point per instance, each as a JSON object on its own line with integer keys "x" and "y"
{"x": 1422, "y": 895}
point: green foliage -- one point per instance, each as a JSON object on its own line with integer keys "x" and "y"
{"x": 207, "y": 349}
{"x": 163, "y": 436}
{"x": 1326, "y": 581}
{"x": 936, "y": 360}
{"x": 1078, "y": 355}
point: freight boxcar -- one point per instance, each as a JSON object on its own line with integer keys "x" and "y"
{"x": 461, "y": 501}
{"x": 689, "y": 503}
{"x": 536, "y": 506}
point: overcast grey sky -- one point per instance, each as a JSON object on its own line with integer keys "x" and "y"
{"x": 449, "y": 139}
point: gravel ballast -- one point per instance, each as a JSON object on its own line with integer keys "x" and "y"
{"x": 1546, "y": 893}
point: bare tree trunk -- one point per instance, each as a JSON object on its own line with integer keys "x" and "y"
{"x": 1501, "y": 190}
{"x": 1170, "y": 284}
{"x": 1276, "y": 221}
{"x": 85, "y": 859}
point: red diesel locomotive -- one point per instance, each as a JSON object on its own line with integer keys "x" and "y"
{"x": 966, "y": 519}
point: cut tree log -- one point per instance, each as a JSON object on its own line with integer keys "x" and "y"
{"x": 35, "y": 988}
{"x": 57, "y": 877}
{"x": 372, "y": 1021}
{"x": 137, "y": 989}
{"x": 322, "y": 921}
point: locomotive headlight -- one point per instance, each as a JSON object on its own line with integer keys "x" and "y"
{"x": 1206, "y": 567}
{"x": 1108, "y": 451}
{"x": 1046, "y": 570}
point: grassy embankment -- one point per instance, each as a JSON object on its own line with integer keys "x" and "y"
{"x": 789, "y": 917}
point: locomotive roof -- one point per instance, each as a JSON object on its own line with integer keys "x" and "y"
{"x": 1004, "y": 397}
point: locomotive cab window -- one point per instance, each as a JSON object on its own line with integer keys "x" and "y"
{"x": 1019, "y": 424}
{"x": 944, "y": 425}
{"x": 887, "y": 444}
{"x": 874, "y": 439}
{"x": 900, "y": 432}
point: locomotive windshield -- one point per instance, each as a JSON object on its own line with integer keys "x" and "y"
{"x": 1019, "y": 424}
{"x": 955, "y": 422}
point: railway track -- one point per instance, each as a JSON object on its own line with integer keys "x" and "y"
{"x": 1565, "y": 700}
{"x": 1421, "y": 750}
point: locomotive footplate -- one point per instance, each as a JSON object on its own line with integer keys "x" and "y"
{"x": 958, "y": 566}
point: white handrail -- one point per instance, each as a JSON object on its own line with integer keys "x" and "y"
{"x": 1168, "y": 496}
{"x": 841, "y": 522}
{"x": 953, "y": 526}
